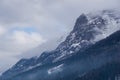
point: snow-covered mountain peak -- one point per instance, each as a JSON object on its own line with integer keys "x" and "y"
{"x": 111, "y": 19}
{"x": 89, "y": 29}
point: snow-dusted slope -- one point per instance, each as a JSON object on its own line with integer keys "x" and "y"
{"x": 88, "y": 29}
{"x": 102, "y": 53}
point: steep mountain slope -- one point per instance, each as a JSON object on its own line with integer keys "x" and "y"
{"x": 88, "y": 30}
{"x": 96, "y": 56}
{"x": 110, "y": 71}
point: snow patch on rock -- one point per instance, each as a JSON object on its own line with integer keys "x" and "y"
{"x": 55, "y": 69}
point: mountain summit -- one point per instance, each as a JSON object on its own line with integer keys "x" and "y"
{"x": 89, "y": 29}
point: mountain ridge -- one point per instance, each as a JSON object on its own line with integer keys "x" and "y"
{"x": 78, "y": 64}
{"x": 87, "y": 31}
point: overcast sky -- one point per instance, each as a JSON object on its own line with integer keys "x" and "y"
{"x": 25, "y": 24}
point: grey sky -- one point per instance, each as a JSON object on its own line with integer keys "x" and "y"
{"x": 25, "y": 24}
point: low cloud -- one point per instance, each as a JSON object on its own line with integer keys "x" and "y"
{"x": 14, "y": 43}
{"x": 2, "y": 30}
